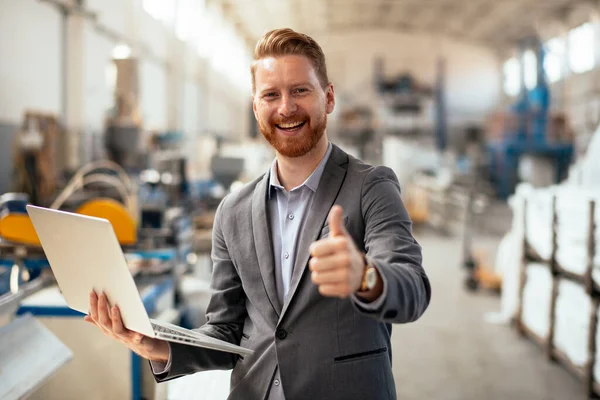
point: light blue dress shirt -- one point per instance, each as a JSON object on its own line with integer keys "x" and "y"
{"x": 287, "y": 212}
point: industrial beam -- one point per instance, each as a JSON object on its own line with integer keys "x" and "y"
{"x": 501, "y": 12}
{"x": 488, "y": 22}
{"x": 349, "y": 28}
{"x": 436, "y": 11}
{"x": 407, "y": 14}
{"x": 310, "y": 16}
{"x": 472, "y": 12}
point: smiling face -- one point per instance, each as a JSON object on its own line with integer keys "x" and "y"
{"x": 290, "y": 104}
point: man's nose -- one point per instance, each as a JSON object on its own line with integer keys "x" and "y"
{"x": 288, "y": 106}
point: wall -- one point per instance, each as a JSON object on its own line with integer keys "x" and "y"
{"x": 30, "y": 71}
{"x": 227, "y": 106}
{"x": 98, "y": 95}
{"x": 472, "y": 72}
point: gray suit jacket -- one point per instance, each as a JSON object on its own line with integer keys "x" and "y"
{"x": 326, "y": 348}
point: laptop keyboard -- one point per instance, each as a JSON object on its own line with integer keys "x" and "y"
{"x": 169, "y": 331}
{"x": 184, "y": 336}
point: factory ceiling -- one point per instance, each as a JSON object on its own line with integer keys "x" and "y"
{"x": 496, "y": 23}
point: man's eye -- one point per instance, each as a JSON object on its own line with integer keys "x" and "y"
{"x": 271, "y": 95}
{"x": 301, "y": 90}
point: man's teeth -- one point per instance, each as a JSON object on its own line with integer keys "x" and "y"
{"x": 291, "y": 125}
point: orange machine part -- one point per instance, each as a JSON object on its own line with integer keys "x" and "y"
{"x": 18, "y": 228}
{"x": 116, "y": 214}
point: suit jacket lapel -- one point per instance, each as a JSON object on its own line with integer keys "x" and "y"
{"x": 263, "y": 242}
{"x": 327, "y": 191}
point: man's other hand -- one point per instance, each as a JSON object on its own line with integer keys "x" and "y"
{"x": 108, "y": 320}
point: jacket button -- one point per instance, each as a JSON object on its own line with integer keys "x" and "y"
{"x": 281, "y": 334}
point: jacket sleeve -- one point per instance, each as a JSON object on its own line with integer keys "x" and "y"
{"x": 225, "y": 314}
{"x": 394, "y": 251}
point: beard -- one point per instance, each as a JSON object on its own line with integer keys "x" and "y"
{"x": 294, "y": 146}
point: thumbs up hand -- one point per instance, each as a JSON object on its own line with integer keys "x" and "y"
{"x": 337, "y": 265}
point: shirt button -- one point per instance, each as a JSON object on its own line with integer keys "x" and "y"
{"x": 286, "y": 256}
{"x": 291, "y": 216}
{"x": 276, "y": 382}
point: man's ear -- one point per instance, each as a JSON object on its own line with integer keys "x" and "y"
{"x": 329, "y": 98}
{"x": 254, "y": 108}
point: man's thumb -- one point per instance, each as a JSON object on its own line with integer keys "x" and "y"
{"x": 336, "y": 223}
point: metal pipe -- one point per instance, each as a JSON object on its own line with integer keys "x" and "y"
{"x": 64, "y": 64}
{"x": 10, "y": 301}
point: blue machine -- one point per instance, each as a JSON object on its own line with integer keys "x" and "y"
{"x": 530, "y": 134}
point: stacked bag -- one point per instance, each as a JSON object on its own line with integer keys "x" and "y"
{"x": 574, "y": 305}
{"x": 573, "y": 213}
{"x": 537, "y": 295}
{"x": 572, "y": 322}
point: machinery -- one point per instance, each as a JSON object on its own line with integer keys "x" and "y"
{"x": 404, "y": 96}
{"x": 16, "y": 227}
{"x": 402, "y": 93}
{"x": 358, "y": 127}
{"x": 418, "y": 121}
{"x": 35, "y": 152}
{"x": 144, "y": 193}
{"x": 226, "y": 170}
{"x": 158, "y": 228}
{"x": 404, "y": 107}
{"x": 157, "y": 257}
{"x": 22, "y": 260}
{"x": 529, "y": 129}
{"x": 480, "y": 273}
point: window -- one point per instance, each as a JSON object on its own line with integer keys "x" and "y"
{"x": 203, "y": 42}
{"x": 224, "y": 50}
{"x": 553, "y": 63}
{"x": 121, "y": 52}
{"x": 512, "y": 77}
{"x": 209, "y": 25}
{"x": 161, "y": 10}
{"x": 530, "y": 63}
{"x": 189, "y": 13}
{"x": 512, "y": 73}
{"x": 581, "y": 48}
{"x": 230, "y": 57}
{"x": 217, "y": 41}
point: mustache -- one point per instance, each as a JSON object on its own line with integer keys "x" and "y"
{"x": 290, "y": 120}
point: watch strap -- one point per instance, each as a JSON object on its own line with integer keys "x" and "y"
{"x": 368, "y": 265}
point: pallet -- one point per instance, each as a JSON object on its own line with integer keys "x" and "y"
{"x": 585, "y": 373}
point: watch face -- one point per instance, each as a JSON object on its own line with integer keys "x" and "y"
{"x": 371, "y": 278}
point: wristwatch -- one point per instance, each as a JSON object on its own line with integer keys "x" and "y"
{"x": 370, "y": 276}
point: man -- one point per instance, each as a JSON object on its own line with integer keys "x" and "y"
{"x": 312, "y": 261}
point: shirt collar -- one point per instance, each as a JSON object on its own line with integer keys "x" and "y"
{"x": 312, "y": 182}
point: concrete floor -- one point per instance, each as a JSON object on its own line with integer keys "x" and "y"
{"x": 452, "y": 353}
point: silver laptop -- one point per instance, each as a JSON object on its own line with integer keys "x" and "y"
{"x": 85, "y": 255}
